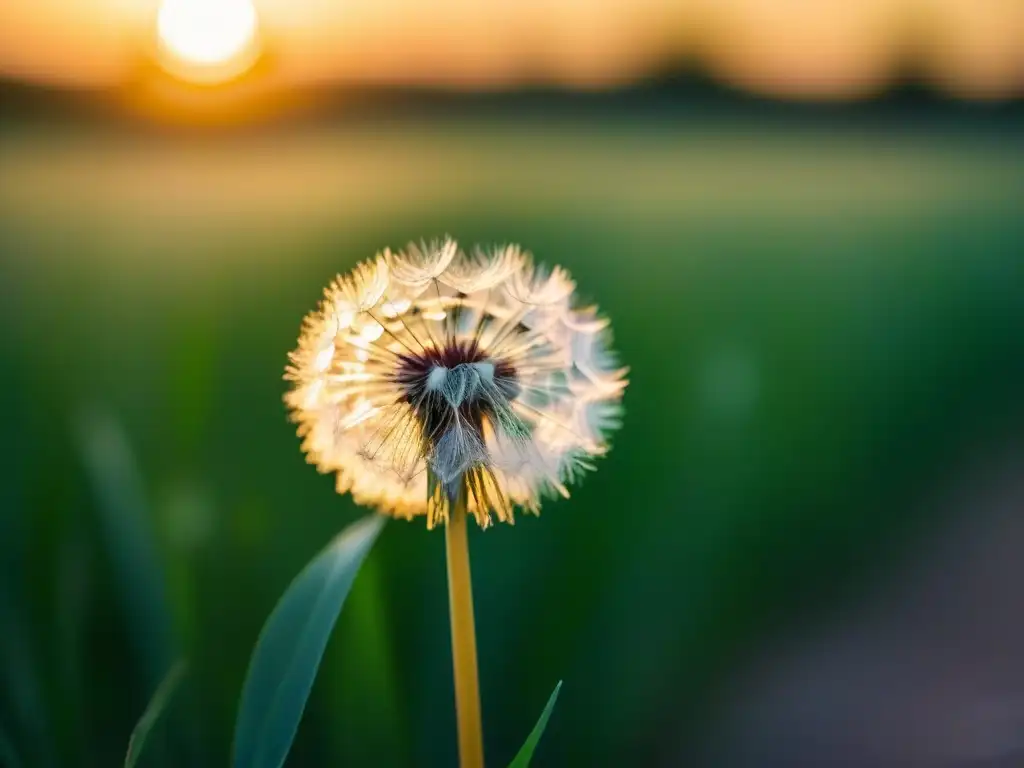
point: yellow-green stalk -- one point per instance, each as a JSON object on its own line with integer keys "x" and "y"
{"x": 460, "y": 608}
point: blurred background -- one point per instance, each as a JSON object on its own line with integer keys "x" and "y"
{"x": 806, "y": 221}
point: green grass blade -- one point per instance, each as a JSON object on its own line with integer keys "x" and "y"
{"x": 526, "y": 753}
{"x": 156, "y": 706}
{"x": 8, "y": 755}
{"x": 28, "y": 718}
{"x": 129, "y": 538}
{"x": 289, "y": 650}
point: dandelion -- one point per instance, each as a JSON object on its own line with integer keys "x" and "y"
{"x": 427, "y": 374}
{"x": 438, "y": 383}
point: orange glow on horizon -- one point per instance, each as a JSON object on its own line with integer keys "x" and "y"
{"x": 783, "y": 48}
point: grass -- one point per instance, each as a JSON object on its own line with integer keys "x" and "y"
{"x": 819, "y": 326}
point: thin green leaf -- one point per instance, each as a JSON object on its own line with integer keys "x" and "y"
{"x": 526, "y": 753}
{"x": 287, "y": 655}
{"x": 21, "y": 684}
{"x": 8, "y": 755}
{"x": 153, "y": 711}
{"x": 129, "y": 539}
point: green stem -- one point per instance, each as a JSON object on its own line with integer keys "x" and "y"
{"x": 460, "y": 607}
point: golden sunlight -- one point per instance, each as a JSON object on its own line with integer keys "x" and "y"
{"x": 207, "y": 41}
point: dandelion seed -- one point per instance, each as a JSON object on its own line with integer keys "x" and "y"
{"x": 429, "y": 374}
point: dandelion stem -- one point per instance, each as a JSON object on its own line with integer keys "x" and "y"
{"x": 460, "y": 607}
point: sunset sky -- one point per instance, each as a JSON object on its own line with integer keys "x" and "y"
{"x": 810, "y": 48}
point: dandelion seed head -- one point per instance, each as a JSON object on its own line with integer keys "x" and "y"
{"x": 427, "y": 375}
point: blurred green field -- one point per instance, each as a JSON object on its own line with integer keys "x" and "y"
{"x": 821, "y": 324}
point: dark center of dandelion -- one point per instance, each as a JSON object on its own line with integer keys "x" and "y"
{"x": 457, "y": 378}
{"x": 455, "y": 390}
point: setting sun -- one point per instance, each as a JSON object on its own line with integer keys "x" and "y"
{"x": 207, "y": 40}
